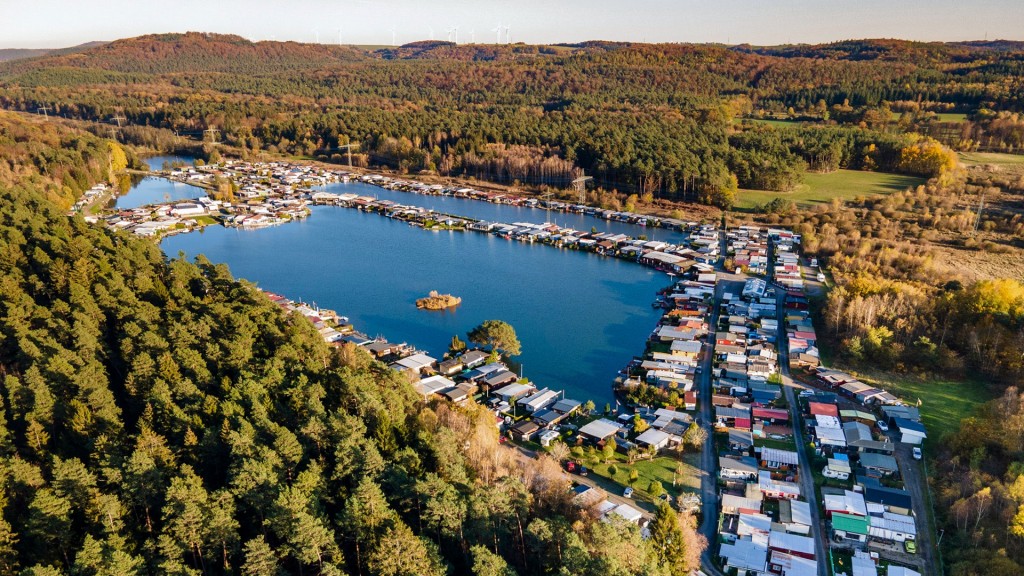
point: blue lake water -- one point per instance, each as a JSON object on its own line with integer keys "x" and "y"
{"x": 157, "y": 162}
{"x": 504, "y": 213}
{"x": 156, "y": 190}
{"x": 580, "y": 317}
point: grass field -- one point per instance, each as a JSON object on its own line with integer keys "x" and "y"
{"x": 952, "y": 117}
{"x": 943, "y": 403}
{"x": 661, "y": 469}
{"x": 205, "y": 220}
{"x": 822, "y": 188}
{"x": 995, "y": 158}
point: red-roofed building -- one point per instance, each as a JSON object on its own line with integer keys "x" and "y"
{"x": 690, "y": 400}
{"x": 773, "y": 414}
{"x": 822, "y": 409}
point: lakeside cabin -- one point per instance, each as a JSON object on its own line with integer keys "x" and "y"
{"x": 599, "y": 430}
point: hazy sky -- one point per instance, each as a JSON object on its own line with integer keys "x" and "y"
{"x": 57, "y": 23}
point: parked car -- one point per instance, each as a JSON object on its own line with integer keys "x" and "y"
{"x": 583, "y": 470}
{"x": 917, "y": 453}
{"x": 883, "y": 426}
{"x": 910, "y": 546}
{"x": 628, "y": 492}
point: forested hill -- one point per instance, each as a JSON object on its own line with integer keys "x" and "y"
{"x": 194, "y": 51}
{"x": 656, "y": 120}
{"x": 7, "y": 54}
{"x": 923, "y": 53}
{"x": 162, "y": 418}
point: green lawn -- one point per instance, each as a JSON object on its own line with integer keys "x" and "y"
{"x": 773, "y": 443}
{"x": 661, "y": 469}
{"x": 996, "y": 158}
{"x": 943, "y": 403}
{"x": 951, "y": 117}
{"x": 205, "y": 220}
{"x": 822, "y": 188}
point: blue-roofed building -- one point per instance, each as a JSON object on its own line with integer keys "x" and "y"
{"x": 910, "y": 432}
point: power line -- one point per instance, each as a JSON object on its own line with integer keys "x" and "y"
{"x": 213, "y": 132}
{"x": 581, "y": 187}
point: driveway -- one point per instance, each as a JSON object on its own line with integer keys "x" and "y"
{"x": 915, "y": 482}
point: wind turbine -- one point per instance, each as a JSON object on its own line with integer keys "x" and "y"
{"x": 316, "y": 35}
{"x": 431, "y": 31}
{"x": 497, "y": 29}
{"x": 453, "y": 32}
{"x": 393, "y": 41}
{"x": 472, "y": 36}
{"x": 339, "y": 36}
{"x": 508, "y": 35}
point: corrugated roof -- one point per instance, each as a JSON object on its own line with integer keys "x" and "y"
{"x": 850, "y": 523}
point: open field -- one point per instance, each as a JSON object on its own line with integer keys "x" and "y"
{"x": 976, "y": 265}
{"x": 994, "y": 158}
{"x": 952, "y": 117}
{"x": 661, "y": 469}
{"x": 822, "y": 188}
{"x": 943, "y": 402}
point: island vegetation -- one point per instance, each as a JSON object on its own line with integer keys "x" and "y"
{"x": 437, "y": 301}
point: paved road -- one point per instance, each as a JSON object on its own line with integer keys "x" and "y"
{"x": 708, "y": 458}
{"x": 806, "y": 476}
{"x": 915, "y": 482}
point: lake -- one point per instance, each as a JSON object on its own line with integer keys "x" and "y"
{"x": 580, "y": 317}
{"x": 155, "y": 190}
{"x": 505, "y": 213}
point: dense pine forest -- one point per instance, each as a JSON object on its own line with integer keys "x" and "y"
{"x": 161, "y": 417}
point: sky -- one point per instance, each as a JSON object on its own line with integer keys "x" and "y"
{"x": 60, "y": 23}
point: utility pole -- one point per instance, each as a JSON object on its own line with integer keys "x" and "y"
{"x": 43, "y": 109}
{"x": 113, "y": 134}
{"x": 581, "y": 187}
{"x": 981, "y": 208}
{"x": 545, "y": 198}
{"x": 118, "y": 119}
{"x": 213, "y": 134}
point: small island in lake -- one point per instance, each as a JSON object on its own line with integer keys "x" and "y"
{"x": 436, "y": 301}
